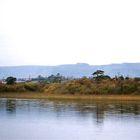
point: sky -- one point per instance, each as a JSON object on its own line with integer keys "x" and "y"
{"x": 54, "y": 32}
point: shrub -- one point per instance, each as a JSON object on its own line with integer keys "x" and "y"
{"x": 10, "y": 80}
{"x": 31, "y": 87}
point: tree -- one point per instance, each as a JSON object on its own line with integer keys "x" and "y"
{"x": 55, "y": 78}
{"x": 40, "y": 78}
{"x": 10, "y": 80}
{"x": 98, "y": 73}
{"x": 58, "y": 78}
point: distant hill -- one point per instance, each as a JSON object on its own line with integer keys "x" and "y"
{"x": 75, "y": 70}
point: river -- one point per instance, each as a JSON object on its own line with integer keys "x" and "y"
{"x": 69, "y": 120}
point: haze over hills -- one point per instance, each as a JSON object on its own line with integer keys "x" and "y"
{"x": 74, "y": 70}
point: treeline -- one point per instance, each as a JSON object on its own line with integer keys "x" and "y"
{"x": 98, "y": 83}
{"x": 58, "y": 78}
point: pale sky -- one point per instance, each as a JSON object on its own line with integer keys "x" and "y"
{"x": 53, "y": 32}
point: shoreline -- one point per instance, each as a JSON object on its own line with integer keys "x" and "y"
{"x": 39, "y": 95}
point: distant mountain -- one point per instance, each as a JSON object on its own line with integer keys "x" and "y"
{"x": 74, "y": 70}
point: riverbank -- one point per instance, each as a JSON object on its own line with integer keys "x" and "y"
{"x": 39, "y": 95}
{"x": 83, "y": 88}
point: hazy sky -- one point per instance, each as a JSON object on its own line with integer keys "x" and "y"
{"x": 52, "y": 32}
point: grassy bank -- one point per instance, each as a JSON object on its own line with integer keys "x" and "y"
{"x": 40, "y": 95}
{"x": 83, "y": 88}
{"x": 86, "y": 86}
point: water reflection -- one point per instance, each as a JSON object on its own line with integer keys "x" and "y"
{"x": 70, "y": 120}
{"x": 10, "y": 105}
{"x": 81, "y": 109}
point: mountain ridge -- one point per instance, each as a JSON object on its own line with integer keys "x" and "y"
{"x": 74, "y": 70}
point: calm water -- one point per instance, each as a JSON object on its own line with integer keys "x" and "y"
{"x": 69, "y": 120}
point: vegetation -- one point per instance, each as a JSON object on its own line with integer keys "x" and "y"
{"x": 51, "y": 79}
{"x": 99, "y": 75}
{"x": 98, "y": 84}
{"x": 10, "y": 80}
{"x": 20, "y": 87}
{"x": 87, "y": 86}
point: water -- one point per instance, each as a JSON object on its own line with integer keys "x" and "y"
{"x": 69, "y": 120}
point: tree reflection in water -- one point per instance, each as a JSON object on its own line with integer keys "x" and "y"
{"x": 79, "y": 108}
{"x": 10, "y": 105}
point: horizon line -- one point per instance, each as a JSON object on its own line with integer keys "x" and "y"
{"x": 80, "y": 63}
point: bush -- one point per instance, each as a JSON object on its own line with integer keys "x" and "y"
{"x": 31, "y": 87}
{"x": 10, "y": 80}
{"x": 78, "y": 86}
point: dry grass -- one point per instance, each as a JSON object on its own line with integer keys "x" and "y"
{"x": 36, "y": 95}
